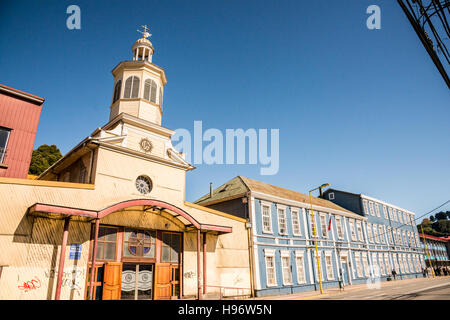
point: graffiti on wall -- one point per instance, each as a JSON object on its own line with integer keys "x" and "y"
{"x": 72, "y": 278}
{"x": 32, "y": 284}
{"x": 189, "y": 275}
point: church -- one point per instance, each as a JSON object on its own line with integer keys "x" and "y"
{"x": 109, "y": 220}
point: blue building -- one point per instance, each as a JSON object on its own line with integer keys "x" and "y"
{"x": 392, "y": 236}
{"x": 281, "y": 238}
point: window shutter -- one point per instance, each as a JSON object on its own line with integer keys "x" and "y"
{"x": 147, "y": 85}
{"x": 153, "y": 96}
{"x": 128, "y": 83}
{"x": 135, "y": 87}
{"x": 117, "y": 90}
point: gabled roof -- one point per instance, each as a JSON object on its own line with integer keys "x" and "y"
{"x": 240, "y": 186}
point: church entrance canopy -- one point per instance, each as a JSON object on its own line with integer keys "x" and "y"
{"x": 69, "y": 213}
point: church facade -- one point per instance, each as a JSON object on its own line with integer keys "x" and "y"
{"x": 109, "y": 220}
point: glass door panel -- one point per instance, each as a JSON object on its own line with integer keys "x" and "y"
{"x": 128, "y": 287}
{"x": 137, "y": 281}
{"x": 145, "y": 281}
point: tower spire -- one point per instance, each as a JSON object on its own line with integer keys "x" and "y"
{"x": 145, "y": 34}
{"x": 143, "y": 48}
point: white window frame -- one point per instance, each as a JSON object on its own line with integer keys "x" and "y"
{"x": 375, "y": 233}
{"x": 301, "y": 274}
{"x": 270, "y": 253}
{"x": 339, "y": 228}
{"x": 267, "y": 205}
{"x": 295, "y": 217}
{"x": 359, "y": 230}
{"x": 331, "y": 196}
{"x": 366, "y": 207}
{"x": 408, "y": 258}
{"x": 351, "y": 223}
{"x": 369, "y": 233}
{"x": 405, "y": 263}
{"x": 390, "y": 235}
{"x": 366, "y": 264}
{"x": 3, "y": 154}
{"x": 381, "y": 233}
{"x": 329, "y": 268}
{"x": 315, "y": 268}
{"x": 391, "y": 215}
{"x": 358, "y": 264}
{"x": 405, "y": 240}
{"x": 394, "y": 213}
{"x": 381, "y": 264}
{"x": 377, "y": 209}
{"x": 388, "y": 265}
{"x": 285, "y": 254}
{"x": 385, "y": 212}
{"x": 323, "y": 225}
{"x": 280, "y": 217}
{"x": 372, "y": 211}
{"x": 375, "y": 263}
{"x": 400, "y": 216}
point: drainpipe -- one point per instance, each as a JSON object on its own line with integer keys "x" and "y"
{"x": 93, "y": 260}
{"x": 250, "y": 243}
{"x": 91, "y": 165}
{"x": 204, "y": 263}
{"x": 62, "y": 257}
{"x": 199, "y": 287}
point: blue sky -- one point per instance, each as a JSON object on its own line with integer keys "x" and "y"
{"x": 364, "y": 110}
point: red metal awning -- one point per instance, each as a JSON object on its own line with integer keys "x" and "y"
{"x": 55, "y": 211}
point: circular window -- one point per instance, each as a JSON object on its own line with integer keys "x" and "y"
{"x": 144, "y": 184}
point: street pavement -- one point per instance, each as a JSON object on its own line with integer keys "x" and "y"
{"x": 407, "y": 289}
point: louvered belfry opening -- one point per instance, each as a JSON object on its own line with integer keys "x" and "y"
{"x": 132, "y": 87}
{"x": 150, "y": 88}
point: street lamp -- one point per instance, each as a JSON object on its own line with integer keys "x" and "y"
{"x": 311, "y": 212}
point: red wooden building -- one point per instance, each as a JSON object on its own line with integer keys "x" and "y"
{"x": 19, "y": 118}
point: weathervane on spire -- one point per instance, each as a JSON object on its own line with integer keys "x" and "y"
{"x": 145, "y": 34}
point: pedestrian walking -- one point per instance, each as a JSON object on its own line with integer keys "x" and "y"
{"x": 424, "y": 272}
{"x": 394, "y": 273}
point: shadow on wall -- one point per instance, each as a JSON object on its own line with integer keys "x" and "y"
{"x": 43, "y": 238}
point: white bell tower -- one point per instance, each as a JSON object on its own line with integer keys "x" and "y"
{"x": 139, "y": 84}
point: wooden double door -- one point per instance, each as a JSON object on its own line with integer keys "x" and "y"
{"x": 140, "y": 281}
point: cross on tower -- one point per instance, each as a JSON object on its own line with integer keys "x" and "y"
{"x": 145, "y": 34}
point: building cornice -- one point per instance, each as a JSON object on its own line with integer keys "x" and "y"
{"x": 144, "y": 156}
{"x": 22, "y": 94}
{"x": 46, "y": 183}
{"x": 135, "y": 64}
{"x": 385, "y": 203}
{"x": 299, "y": 204}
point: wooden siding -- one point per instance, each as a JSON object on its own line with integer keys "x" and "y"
{"x": 22, "y": 117}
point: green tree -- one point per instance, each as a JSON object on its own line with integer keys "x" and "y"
{"x": 43, "y": 157}
{"x": 441, "y": 215}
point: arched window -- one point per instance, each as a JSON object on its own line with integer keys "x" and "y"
{"x": 132, "y": 87}
{"x": 150, "y": 90}
{"x": 117, "y": 91}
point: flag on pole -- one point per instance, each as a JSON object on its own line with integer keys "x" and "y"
{"x": 329, "y": 224}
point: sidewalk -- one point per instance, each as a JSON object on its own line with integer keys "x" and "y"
{"x": 335, "y": 291}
